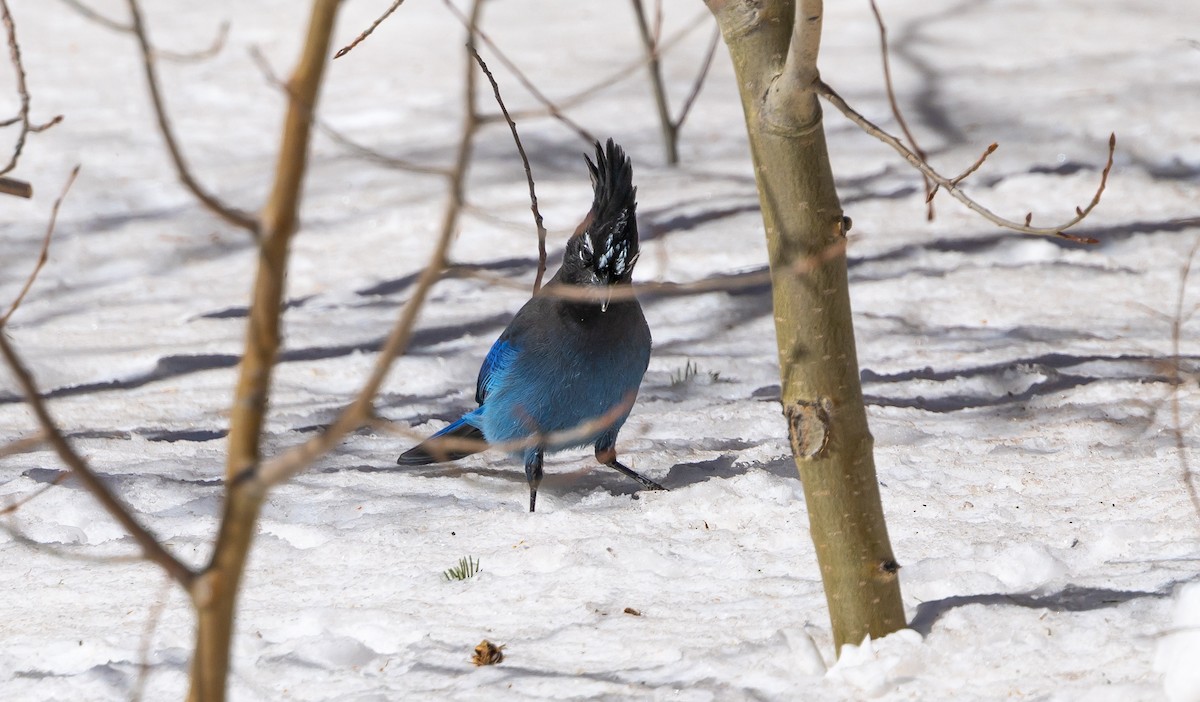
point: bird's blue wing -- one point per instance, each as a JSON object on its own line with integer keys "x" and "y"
{"x": 498, "y": 360}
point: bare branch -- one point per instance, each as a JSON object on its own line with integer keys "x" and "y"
{"x": 58, "y": 552}
{"x": 626, "y": 71}
{"x": 44, "y": 253}
{"x": 445, "y": 445}
{"x": 152, "y": 550}
{"x": 18, "y": 188}
{"x": 1177, "y": 322}
{"x": 891, "y": 93}
{"x": 970, "y": 169}
{"x": 336, "y": 135}
{"x": 215, "y": 589}
{"x": 152, "y": 618}
{"x": 214, "y": 48}
{"x": 361, "y": 411}
{"x": 698, "y": 84}
{"x": 230, "y": 214}
{"x": 29, "y": 443}
{"x": 670, "y": 134}
{"x": 58, "y": 480}
{"x": 22, "y": 118}
{"x": 367, "y": 32}
{"x": 96, "y": 17}
{"x": 218, "y": 43}
{"x": 375, "y": 155}
{"x": 718, "y": 283}
{"x": 521, "y": 77}
{"x": 975, "y": 166}
{"x": 278, "y": 224}
{"x": 533, "y": 203}
{"x": 951, "y": 186}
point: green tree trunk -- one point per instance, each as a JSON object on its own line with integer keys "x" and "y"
{"x": 774, "y": 46}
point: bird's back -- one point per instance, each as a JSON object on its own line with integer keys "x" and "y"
{"x": 576, "y": 365}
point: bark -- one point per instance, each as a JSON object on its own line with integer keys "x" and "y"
{"x": 214, "y": 593}
{"x": 774, "y": 46}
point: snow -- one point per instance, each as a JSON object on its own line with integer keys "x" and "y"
{"x": 1018, "y": 388}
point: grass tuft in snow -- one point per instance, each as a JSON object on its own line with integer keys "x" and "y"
{"x": 689, "y": 373}
{"x": 467, "y": 568}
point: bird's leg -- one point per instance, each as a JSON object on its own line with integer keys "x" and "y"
{"x": 533, "y": 473}
{"x": 608, "y": 456}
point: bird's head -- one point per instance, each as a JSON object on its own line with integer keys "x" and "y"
{"x": 604, "y": 248}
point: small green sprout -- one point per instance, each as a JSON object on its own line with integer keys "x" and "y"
{"x": 467, "y": 568}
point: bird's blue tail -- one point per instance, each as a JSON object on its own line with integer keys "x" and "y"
{"x": 436, "y": 449}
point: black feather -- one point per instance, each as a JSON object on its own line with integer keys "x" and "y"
{"x": 428, "y": 451}
{"x": 612, "y": 182}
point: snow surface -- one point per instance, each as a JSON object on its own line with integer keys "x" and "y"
{"x": 1018, "y": 387}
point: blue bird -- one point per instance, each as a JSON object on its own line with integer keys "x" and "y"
{"x": 566, "y": 370}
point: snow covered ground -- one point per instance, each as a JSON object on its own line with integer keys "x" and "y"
{"x": 1018, "y": 387}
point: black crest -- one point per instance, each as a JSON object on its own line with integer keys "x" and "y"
{"x": 611, "y": 238}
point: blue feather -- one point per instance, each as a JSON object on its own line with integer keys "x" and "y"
{"x": 498, "y": 360}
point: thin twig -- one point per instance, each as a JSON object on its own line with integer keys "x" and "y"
{"x": 333, "y": 133}
{"x": 214, "y": 47}
{"x": 698, "y": 84}
{"x": 22, "y": 118}
{"x": 975, "y": 166}
{"x": 96, "y": 17}
{"x": 1177, "y": 322}
{"x": 367, "y": 32}
{"x": 445, "y": 445}
{"x": 717, "y": 283}
{"x": 658, "y": 22}
{"x": 18, "y": 188}
{"x": 230, "y": 214}
{"x": 969, "y": 170}
{"x": 523, "y": 79}
{"x": 533, "y": 203}
{"x": 19, "y": 503}
{"x": 670, "y": 135}
{"x": 152, "y": 618}
{"x": 951, "y": 187}
{"x": 891, "y": 93}
{"x": 152, "y": 550}
{"x": 218, "y": 43}
{"x": 624, "y": 72}
{"x": 45, "y": 250}
{"x": 58, "y": 552}
{"x": 361, "y": 411}
{"x": 24, "y": 445}
{"x": 375, "y": 155}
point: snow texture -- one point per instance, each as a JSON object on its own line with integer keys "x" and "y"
{"x": 1019, "y": 388}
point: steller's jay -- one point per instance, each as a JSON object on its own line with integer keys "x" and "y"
{"x": 566, "y": 370}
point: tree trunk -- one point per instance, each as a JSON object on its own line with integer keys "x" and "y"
{"x": 774, "y": 48}
{"x": 215, "y": 591}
